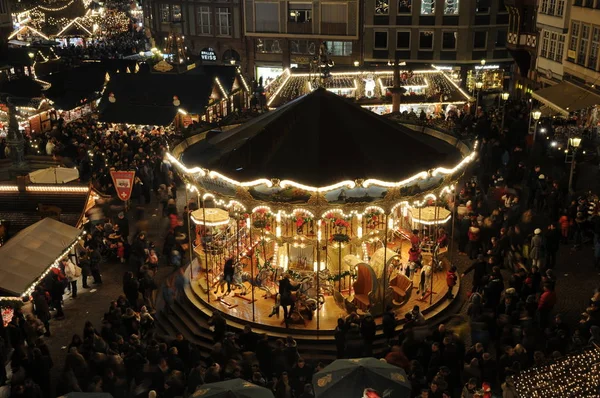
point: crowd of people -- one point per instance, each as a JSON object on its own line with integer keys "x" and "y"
{"x": 515, "y": 214}
{"x": 113, "y": 46}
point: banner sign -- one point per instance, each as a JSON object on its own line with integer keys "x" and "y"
{"x": 123, "y": 181}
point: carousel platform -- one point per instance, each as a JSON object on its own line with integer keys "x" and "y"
{"x": 192, "y": 310}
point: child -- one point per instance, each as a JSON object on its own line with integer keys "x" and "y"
{"x": 451, "y": 279}
{"x": 414, "y": 256}
{"x": 121, "y": 252}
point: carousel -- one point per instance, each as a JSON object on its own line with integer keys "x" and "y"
{"x": 329, "y": 195}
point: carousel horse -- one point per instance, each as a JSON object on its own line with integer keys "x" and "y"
{"x": 308, "y": 294}
{"x": 325, "y": 284}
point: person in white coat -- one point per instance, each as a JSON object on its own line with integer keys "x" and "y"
{"x": 72, "y": 272}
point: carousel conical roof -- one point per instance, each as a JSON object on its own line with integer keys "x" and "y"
{"x": 321, "y": 139}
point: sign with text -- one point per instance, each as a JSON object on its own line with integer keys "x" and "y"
{"x": 208, "y": 54}
{"x": 123, "y": 181}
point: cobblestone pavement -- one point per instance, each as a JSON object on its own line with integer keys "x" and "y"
{"x": 91, "y": 304}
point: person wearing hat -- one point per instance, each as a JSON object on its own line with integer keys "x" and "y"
{"x": 541, "y": 193}
{"x": 537, "y": 251}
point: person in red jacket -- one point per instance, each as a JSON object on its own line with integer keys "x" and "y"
{"x": 545, "y": 304}
{"x": 451, "y": 279}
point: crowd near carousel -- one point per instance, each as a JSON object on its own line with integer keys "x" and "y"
{"x": 319, "y": 210}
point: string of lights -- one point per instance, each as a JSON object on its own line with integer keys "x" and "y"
{"x": 575, "y": 375}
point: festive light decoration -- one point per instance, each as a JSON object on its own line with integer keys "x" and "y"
{"x": 576, "y": 375}
{"x": 77, "y": 22}
{"x": 44, "y": 188}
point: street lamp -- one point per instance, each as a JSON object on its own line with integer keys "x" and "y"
{"x": 504, "y": 97}
{"x": 483, "y": 62}
{"x": 479, "y": 86}
{"x": 535, "y": 114}
{"x": 357, "y": 63}
{"x": 574, "y": 142}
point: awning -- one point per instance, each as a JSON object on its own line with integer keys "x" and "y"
{"x": 30, "y": 253}
{"x": 566, "y": 97}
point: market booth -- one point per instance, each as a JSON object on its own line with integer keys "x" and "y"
{"x": 29, "y": 256}
{"x": 322, "y": 190}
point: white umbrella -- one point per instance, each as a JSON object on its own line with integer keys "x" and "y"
{"x": 430, "y": 215}
{"x": 213, "y": 216}
{"x": 54, "y": 175}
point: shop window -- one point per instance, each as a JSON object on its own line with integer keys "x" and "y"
{"x": 381, "y": 41}
{"x": 426, "y": 40}
{"x": 165, "y": 13}
{"x": 340, "y": 48}
{"x": 203, "y": 25}
{"x": 176, "y": 13}
{"x": 480, "y": 40}
{"x": 501, "y": 39}
{"x": 403, "y": 40}
{"x": 299, "y": 12}
{"x": 382, "y": 7}
{"x": 267, "y": 17}
{"x": 482, "y": 6}
{"x": 427, "y": 7}
{"x": 268, "y": 46}
{"x": 302, "y": 47}
{"x": 451, "y": 7}
{"x": 449, "y": 40}
{"x": 404, "y": 6}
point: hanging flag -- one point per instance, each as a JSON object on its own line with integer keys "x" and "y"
{"x": 123, "y": 181}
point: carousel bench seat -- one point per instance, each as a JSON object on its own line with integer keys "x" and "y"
{"x": 401, "y": 286}
{"x": 362, "y": 301}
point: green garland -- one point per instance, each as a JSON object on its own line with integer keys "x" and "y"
{"x": 340, "y": 238}
{"x": 335, "y": 278}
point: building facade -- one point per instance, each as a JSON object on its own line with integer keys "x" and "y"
{"x": 552, "y": 24}
{"x": 6, "y": 25}
{"x": 283, "y": 34}
{"x": 568, "y": 65}
{"x": 211, "y": 29}
{"x": 455, "y": 33}
{"x": 522, "y": 42}
{"x": 583, "y": 42}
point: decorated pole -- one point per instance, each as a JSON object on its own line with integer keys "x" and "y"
{"x": 189, "y": 231}
{"x": 251, "y": 252}
{"x": 318, "y": 272}
{"x": 454, "y": 211}
{"x": 205, "y": 241}
{"x": 385, "y": 243}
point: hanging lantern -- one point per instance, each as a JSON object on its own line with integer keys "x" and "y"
{"x": 111, "y": 98}
{"x": 176, "y": 101}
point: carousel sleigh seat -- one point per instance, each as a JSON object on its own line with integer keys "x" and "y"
{"x": 363, "y": 287}
{"x": 401, "y": 286}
